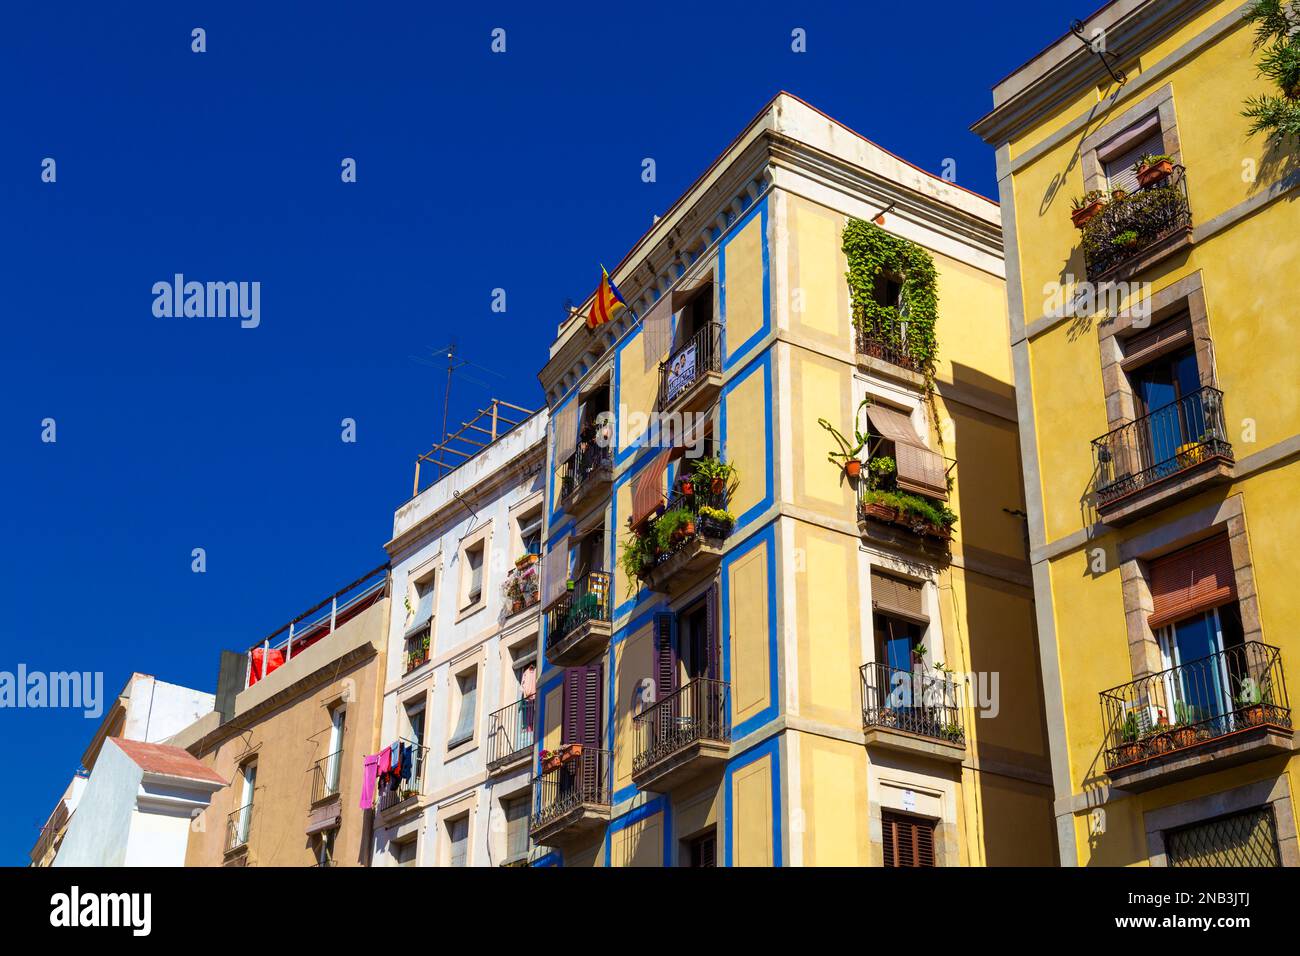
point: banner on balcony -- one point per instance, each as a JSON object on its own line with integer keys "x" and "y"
{"x": 681, "y": 373}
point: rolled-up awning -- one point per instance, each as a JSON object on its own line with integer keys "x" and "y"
{"x": 920, "y": 470}
{"x": 565, "y": 425}
{"x": 648, "y": 487}
{"x": 555, "y": 572}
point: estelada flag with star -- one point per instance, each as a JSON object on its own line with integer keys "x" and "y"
{"x": 609, "y": 301}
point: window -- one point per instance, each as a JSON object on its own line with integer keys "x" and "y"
{"x": 421, "y": 606}
{"x": 1240, "y": 839}
{"x": 1121, "y": 154}
{"x": 530, "y": 532}
{"x": 404, "y": 853}
{"x": 896, "y": 638}
{"x": 467, "y": 691}
{"x": 698, "y": 312}
{"x": 415, "y": 722}
{"x": 245, "y": 817}
{"x": 909, "y": 841}
{"x": 918, "y": 469}
{"x": 458, "y": 841}
{"x": 335, "y": 758}
{"x": 474, "y": 562}
{"x": 516, "y": 811}
{"x": 702, "y": 851}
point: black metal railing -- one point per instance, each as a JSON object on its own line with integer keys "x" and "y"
{"x": 511, "y": 731}
{"x": 569, "y": 780}
{"x": 700, "y": 710}
{"x": 325, "y": 775}
{"x": 699, "y": 523}
{"x": 586, "y": 458}
{"x": 1161, "y": 444}
{"x": 238, "y": 827}
{"x": 1199, "y": 701}
{"x": 687, "y": 365}
{"x": 888, "y": 347}
{"x": 1127, "y": 227}
{"x": 394, "y": 790}
{"x": 919, "y": 701}
{"x": 587, "y": 600}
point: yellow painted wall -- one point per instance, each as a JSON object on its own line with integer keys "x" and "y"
{"x": 751, "y": 823}
{"x": 633, "y": 662}
{"x": 830, "y": 641}
{"x": 750, "y": 663}
{"x": 820, "y": 387}
{"x": 638, "y": 387}
{"x": 554, "y": 719}
{"x": 747, "y": 440}
{"x": 834, "y": 781}
{"x": 818, "y": 294}
{"x": 639, "y": 844}
{"x": 743, "y": 261}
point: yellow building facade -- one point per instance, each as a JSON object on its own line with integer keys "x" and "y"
{"x": 1157, "y": 316}
{"x": 730, "y": 693}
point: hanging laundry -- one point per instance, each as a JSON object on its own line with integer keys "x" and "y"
{"x": 369, "y": 774}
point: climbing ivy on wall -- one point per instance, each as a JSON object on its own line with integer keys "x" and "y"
{"x": 874, "y": 254}
{"x": 1277, "y": 41}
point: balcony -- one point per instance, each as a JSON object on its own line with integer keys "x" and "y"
{"x": 1206, "y": 715}
{"x": 511, "y": 732}
{"x": 239, "y": 826}
{"x": 1132, "y": 234}
{"x": 685, "y": 541}
{"x": 691, "y": 378}
{"x": 888, "y": 355}
{"x": 325, "y": 778}
{"x": 571, "y": 796}
{"x": 585, "y": 477}
{"x": 904, "y": 520}
{"x": 521, "y": 588}
{"x": 683, "y": 736}
{"x": 916, "y": 711}
{"x": 578, "y": 624}
{"x": 417, "y": 648}
{"x": 397, "y": 793}
{"x": 1169, "y": 454}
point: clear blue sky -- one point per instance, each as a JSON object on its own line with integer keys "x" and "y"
{"x": 475, "y": 171}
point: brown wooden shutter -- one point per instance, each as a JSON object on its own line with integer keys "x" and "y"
{"x": 566, "y": 432}
{"x": 909, "y": 841}
{"x": 920, "y": 470}
{"x": 704, "y": 850}
{"x": 713, "y": 639}
{"x": 665, "y": 655}
{"x": 1164, "y": 338}
{"x": 555, "y": 572}
{"x": 897, "y": 596}
{"x": 1192, "y": 580}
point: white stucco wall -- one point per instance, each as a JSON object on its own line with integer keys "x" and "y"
{"x": 156, "y": 709}
{"x": 101, "y": 827}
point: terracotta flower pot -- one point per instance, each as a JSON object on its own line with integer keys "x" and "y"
{"x": 686, "y": 487}
{"x": 1183, "y": 736}
{"x": 719, "y": 485}
{"x": 1253, "y": 715}
{"x": 880, "y": 512}
{"x": 1081, "y": 217}
{"x": 1161, "y": 744}
{"x": 688, "y": 528}
{"x": 853, "y": 468}
{"x": 1150, "y": 175}
{"x": 1129, "y": 752}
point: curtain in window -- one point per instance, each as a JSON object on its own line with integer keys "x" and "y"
{"x": 465, "y": 722}
{"x": 458, "y": 831}
{"x": 516, "y": 828}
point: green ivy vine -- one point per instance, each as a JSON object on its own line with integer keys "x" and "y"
{"x": 872, "y": 254}
{"x": 1277, "y": 40}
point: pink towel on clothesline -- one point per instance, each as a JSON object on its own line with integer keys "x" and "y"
{"x": 369, "y": 774}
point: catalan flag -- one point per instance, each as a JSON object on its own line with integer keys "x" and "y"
{"x": 608, "y": 301}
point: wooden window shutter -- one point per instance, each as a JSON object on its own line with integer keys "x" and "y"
{"x": 919, "y": 469}
{"x": 714, "y": 639}
{"x": 896, "y": 595}
{"x": 1192, "y": 581}
{"x": 909, "y": 841}
{"x": 704, "y": 850}
{"x": 1164, "y": 338}
{"x": 665, "y": 655}
{"x": 571, "y": 722}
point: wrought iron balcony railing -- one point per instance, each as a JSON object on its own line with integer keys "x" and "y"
{"x": 1160, "y": 445}
{"x": 569, "y": 782}
{"x": 239, "y": 825}
{"x": 1200, "y": 701}
{"x": 688, "y": 364}
{"x": 574, "y": 470}
{"x": 1126, "y": 228}
{"x": 393, "y": 792}
{"x": 511, "y": 732}
{"x": 919, "y": 701}
{"x": 417, "y": 648}
{"x": 325, "y": 775}
{"x": 697, "y": 711}
{"x": 588, "y": 600}
{"x": 887, "y": 348}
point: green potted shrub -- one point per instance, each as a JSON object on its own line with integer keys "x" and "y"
{"x": 1130, "y": 749}
{"x": 1153, "y": 168}
{"x": 1126, "y": 239}
{"x": 847, "y": 456}
{"x": 1084, "y": 208}
{"x": 716, "y": 474}
{"x": 716, "y": 522}
{"x": 1185, "y": 717}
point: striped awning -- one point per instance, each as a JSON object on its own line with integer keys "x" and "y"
{"x": 648, "y": 487}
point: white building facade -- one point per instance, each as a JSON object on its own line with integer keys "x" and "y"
{"x": 459, "y": 696}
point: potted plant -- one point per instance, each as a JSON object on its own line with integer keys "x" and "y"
{"x": 877, "y": 504}
{"x": 716, "y": 522}
{"x": 717, "y": 474}
{"x": 685, "y": 486}
{"x": 1126, "y": 239}
{"x": 525, "y": 560}
{"x": 570, "y": 752}
{"x": 1083, "y": 208}
{"x": 1158, "y": 742}
{"x": 847, "y": 456}
{"x": 1250, "y": 702}
{"x": 1184, "y": 733}
{"x": 550, "y": 761}
{"x": 1130, "y": 749}
{"x": 1118, "y": 195}
{"x": 1153, "y": 168}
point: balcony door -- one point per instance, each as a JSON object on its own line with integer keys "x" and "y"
{"x": 1164, "y": 392}
{"x": 1199, "y": 664}
{"x": 335, "y": 750}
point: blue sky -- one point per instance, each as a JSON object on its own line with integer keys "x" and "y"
{"x": 475, "y": 171}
